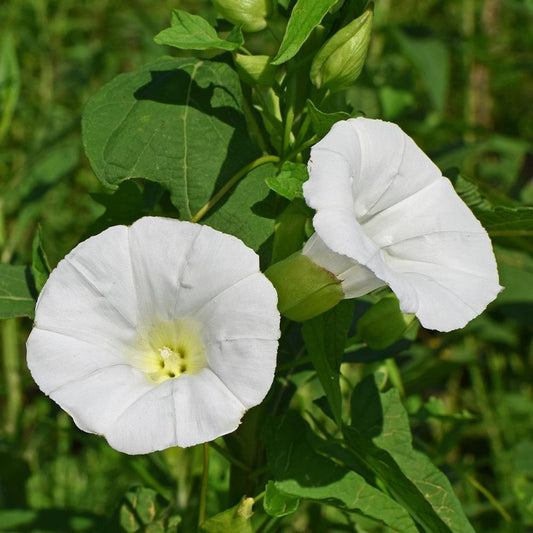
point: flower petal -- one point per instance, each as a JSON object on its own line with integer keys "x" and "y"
{"x": 247, "y": 310}
{"x": 188, "y": 264}
{"x": 185, "y": 411}
{"x": 90, "y": 294}
{"x": 245, "y": 366}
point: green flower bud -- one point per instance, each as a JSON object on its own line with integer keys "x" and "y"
{"x": 250, "y": 14}
{"x": 305, "y": 290}
{"x": 340, "y": 60}
{"x": 255, "y": 70}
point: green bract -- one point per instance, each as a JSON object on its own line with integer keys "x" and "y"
{"x": 340, "y": 61}
{"x": 250, "y": 14}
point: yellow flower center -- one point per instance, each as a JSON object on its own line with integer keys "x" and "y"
{"x": 170, "y": 349}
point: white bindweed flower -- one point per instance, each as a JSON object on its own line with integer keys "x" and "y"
{"x": 385, "y": 215}
{"x": 155, "y": 335}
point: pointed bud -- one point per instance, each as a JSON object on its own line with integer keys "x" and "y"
{"x": 340, "y": 60}
{"x": 305, "y": 290}
{"x": 250, "y": 14}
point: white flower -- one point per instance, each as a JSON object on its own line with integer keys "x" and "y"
{"x": 156, "y": 335}
{"x": 386, "y": 215}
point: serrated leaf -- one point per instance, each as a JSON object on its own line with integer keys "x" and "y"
{"x": 305, "y": 16}
{"x": 301, "y": 472}
{"x": 323, "y": 122}
{"x": 17, "y": 294}
{"x": 178, "y": 122}
{"x": 380, "y": 429}
{"x": 289, "y": 180}
{"x": 236, "y": 519}
{"x": 325, "y": 339}
{"x": 40, "y": 267}
{"x": 192, "y": 32}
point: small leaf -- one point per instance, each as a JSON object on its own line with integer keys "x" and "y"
{"x": 322, "y": 122}
{"x": 255, "y": 70}
{"x": 288, "y": 182}
{"x": 17, "y": 294}
{"x": 192, "y": 32}
{"x": 325, "y": 338}
{"x": 305, "y": 16}
{"x": 277, "y": 503}
{"x": 141, "y": 507}
{"x": 40, "y": 268}
{"x": 236, "y": 519}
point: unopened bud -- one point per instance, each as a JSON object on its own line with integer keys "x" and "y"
{"x": 305, "y": 290}
{"x": 250, "y": 14}
{"x": 340, "y": 60}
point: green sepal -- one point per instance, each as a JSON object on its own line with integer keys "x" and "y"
{"x": 305, "y": 290}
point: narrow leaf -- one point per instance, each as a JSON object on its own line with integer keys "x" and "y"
{"x": 40, "y": 267}
{"x": 306, "y": 15}
{"x": 325, "y": 338}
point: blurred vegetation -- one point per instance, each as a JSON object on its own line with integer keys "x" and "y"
{"x": 457, "y": 76}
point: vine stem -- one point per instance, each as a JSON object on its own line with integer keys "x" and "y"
{"x": 205, "y": 480}
{"x": 231, "y": 183}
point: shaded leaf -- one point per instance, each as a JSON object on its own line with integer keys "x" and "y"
{"x": 141, "y": 507}
{"x": 305, "y": 16}
{"x": 17, "y": 294}
{"x": 380, "y": 432}
{"x": 192, "y": 32}
{"x": 178, "y": 122}
{"x": 322, "y": 122}
{"x": 325, "y": 338}
{"x": 301, "y": 472}
{"x": 277, "y": 503}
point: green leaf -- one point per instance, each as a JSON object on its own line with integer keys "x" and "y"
{"x": 325, "y": 338}
{"x": 288, "y": 182}
{"x": 178, "y": 122}
{"x": 516, "y": 275}
{"x": 278, "y": 503}
{"x": 140, "y": 508}
{"x": 322, "y": 122}
{"x": 17, "y": 294}
{"x": 383, "y": 324}
{"x": 49, "y": 520}
{"x": 380, "y": 433}
{"x": 236, "y": 519}
{"x": 305, "y": 16}
{"x": 431, "y": 58}
{"x": 192, "y": 32}
{"x": 503, "y": 221}
{"x": 301, "y": 472}
{"x": 40, "y": 268}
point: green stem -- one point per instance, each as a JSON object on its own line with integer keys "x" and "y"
{"x": 489, "y": 497}
{"x": 227, "y": 455}
{"x": 231, "y": 183}
{"x": 205, "y": 481}
{"x": 12, "y": 374}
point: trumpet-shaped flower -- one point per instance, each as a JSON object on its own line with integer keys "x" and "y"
{"x": 385, "y": 215}
{"x": 159, "y": 334}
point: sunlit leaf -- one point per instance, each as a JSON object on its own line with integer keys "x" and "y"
{"x": 305, "y": 16}
{"x": 192, "y": 32}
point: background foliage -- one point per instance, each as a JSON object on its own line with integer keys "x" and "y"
{"x": 457, "y": 77}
